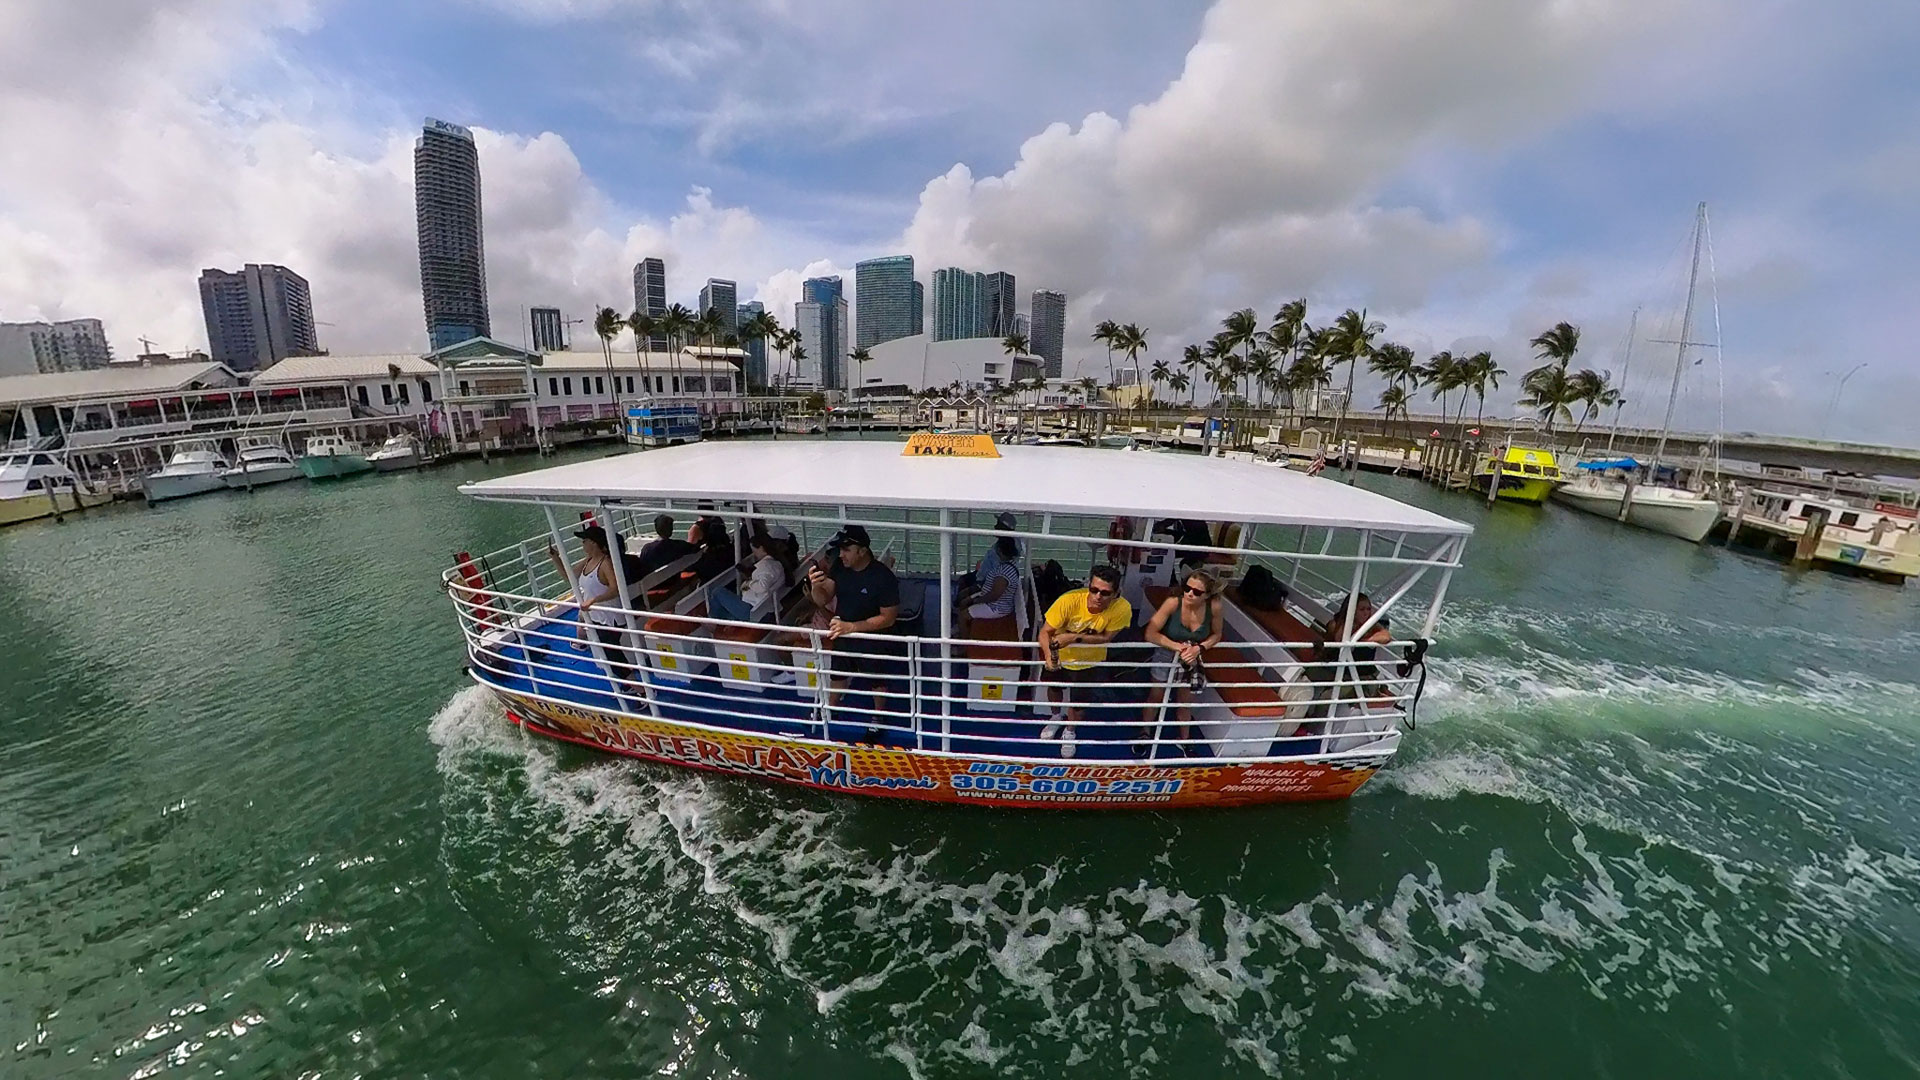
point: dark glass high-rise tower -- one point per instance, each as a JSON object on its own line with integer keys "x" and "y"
{"x": 257, "y": 316}
{"x": 1048, "y": 328}
{"x": 453, "y": 252}
{"x": 1000, "y": 304}
{"x": 884, "y": 300}
{"x": 650, "y": 295}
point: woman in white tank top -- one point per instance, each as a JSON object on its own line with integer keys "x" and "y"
{"x": 596, "y": 593}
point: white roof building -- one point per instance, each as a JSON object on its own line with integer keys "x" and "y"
{"x": 919, "y": 363}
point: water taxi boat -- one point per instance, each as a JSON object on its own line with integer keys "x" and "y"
{"x": 193, "y": 469}
{"x": 330, "y": 456}
{"x": 397, "y": 454}
{"x": 1523, "y": 474}
{"x": 260, "y": 462}
{"x": 1616, "y": 489}
{"x": 1305, "y": 698}
{"x": 1829, "y": 532}
{"x": 34, "y": 484}
{"x": 663, "y": 422}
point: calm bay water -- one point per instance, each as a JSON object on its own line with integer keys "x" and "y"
{"x": 1660, "y": 819}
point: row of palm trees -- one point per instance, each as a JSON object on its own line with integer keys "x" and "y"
{"x": 682, "y": 326}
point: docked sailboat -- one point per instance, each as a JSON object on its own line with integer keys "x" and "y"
{"x": 1624, "y": 489}
{"x": 398, "y": 453}
{"x": 260, "y": 462}
{"x": 34, "y": 484}
{"x": 329, "y": 457}
{"x": 194, "y": 469}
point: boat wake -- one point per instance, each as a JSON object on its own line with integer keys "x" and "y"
{"x": 953, "y": 941}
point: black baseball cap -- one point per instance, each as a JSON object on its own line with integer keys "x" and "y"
{"x": 1005, "y": 521}
{"x": 851, "y": 534}
{"x": 599, "y": 536}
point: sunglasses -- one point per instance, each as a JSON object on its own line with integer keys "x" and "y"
{"x": 1196, "y": 590}
{"x": 1092, "y": 591}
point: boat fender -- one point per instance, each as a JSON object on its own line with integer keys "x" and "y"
{"x": 472, "y": 578}
{"x": 1416, "y": 657}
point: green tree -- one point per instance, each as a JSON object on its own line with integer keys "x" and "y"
{"x": 677, "y": 322}
{"x": 860, "y": 355}
{"x": 608, "y": 324}
{"x": 1548, "y": 389}
{"x": 1351, "y": 344}
{"x": 1482, "y": 375}
{"x": 1441, "y": 376}
{"x": 1104, "y": 333}
{"x": 1393, "y": 402}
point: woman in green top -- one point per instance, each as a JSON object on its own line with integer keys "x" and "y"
{"x": 1188, "y": 624}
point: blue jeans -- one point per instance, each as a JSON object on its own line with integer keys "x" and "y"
{"x": 724, "y": 603}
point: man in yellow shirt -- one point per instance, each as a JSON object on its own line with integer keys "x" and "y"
{"x": 1074, "y": 638}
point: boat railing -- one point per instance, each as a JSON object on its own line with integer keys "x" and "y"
{"x": 1270, "y": 700}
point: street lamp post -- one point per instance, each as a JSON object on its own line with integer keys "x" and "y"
{"x": 1835, "y": 399}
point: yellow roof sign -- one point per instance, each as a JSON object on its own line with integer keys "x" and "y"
{"x": 928, "y": 444}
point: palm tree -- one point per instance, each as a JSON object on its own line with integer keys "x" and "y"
{"x": 1393, "y": 401}
{"x": 1132, "y": 340}
{"x": 1193, "y": 359}
{"x": 798, "y": 355}
{"x": 1393, "y": 362}
{"x": 1440, "y": 374}
{"x": 676, "y": 323}
{"x": 1594, "y": 391}
{"x": 761, "y": 326}
{"x": 1352, "y": 345}
{"x": 1158, "y": 373}
{"x": 860, "y": 356}
{"x": 1483, "y": 374}
{"x": 1178, "y": 381}
{"x": 1548, "y": 390}
{"x": 607, "y": 323}
{"x": 1239, "y": 331}
{"x": 1558, "y": 344}
{"x": 1104, "y": 333}
{"x": 1262, "y": 368}
{"x": 1088, "y": 384}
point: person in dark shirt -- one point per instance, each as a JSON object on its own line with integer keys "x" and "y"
{"x": 663, "y": 549}
{"x": 865, "y": 597}
{"x": 709, "y": 534}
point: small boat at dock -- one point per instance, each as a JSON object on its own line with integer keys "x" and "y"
{"x": 330, "y": 456}
{"x": 260, "y": 462}
{"x": 1522, "y": 474}
{"x": 397, "y": 454}
{"x": 1882, "y": 541}
{"x": 194, "y": 468}
{"x": 1614, "y": 489}
{"x": 35, "y": 484}
{"x": 1304, "y": 698}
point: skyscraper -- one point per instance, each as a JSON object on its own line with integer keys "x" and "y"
{"x": 1049, "y": 334}
{"x": 821, "y": 318}
{"x": 453, "y": 254}
{"x": 1000, "y": 304}
{"x": 959, "y": 304}
{"x": 257, "y": 316}
{"x": 919, "y": 308}
{"x": 722, "y": 296}
{"x": 549, "y": 332}
{"x": 40, "y": 347}
{"x": 884, "y": 292}
{"x": 756, "y": 347}
{"x": 650, "y": 295}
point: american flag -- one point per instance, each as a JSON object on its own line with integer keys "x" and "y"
{"x": 1318, "y": 464}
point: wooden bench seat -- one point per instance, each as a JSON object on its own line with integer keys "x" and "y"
{"x": 674, "y": 625}
{"x": 1281, "y": 624}
{"x": 1243, "y": 689}
{"x": 1000, "y": 629}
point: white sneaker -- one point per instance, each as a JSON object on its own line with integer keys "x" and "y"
{"x": 1050, "y": 732}
{"x": 1067, "y": 747}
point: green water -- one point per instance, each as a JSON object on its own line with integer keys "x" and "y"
{"x": 1660, "y": 819}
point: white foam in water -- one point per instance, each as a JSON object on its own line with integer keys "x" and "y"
{"x": 912, "y": 957}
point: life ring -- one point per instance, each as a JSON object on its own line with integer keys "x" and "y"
{"x": 482, "y": 600}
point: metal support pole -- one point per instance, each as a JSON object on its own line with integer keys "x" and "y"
{"x": 946, "y": 624}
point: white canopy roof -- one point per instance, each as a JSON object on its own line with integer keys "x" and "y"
{"x": 1039, "y": 479}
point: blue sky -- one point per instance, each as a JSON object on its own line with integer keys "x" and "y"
{"x": 1471, "y": 171}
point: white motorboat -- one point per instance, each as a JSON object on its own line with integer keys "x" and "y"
{"x": 1609, "y": 492}
{"x": 34, "y": 484}
{"x": 194, "y": 469}
{"x": 260, "y": 461}
{"x": 397, "y": 453}
{"x": 329, "y": 457}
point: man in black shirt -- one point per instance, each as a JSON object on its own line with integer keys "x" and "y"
{"x": 664, "y": 548}
{"x": 865, "y": 599}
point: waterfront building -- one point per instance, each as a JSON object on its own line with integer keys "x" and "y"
{"x": 549, "y": 330}
{"x": 1000, "y": 304}
{"x": 755, "y": 366}
{"x": 27, "y": 348}
{"x": 257, "y": 316}
{"x": 821, "y": 319}
{"x": 453, "y": 254}
{"x": 913, "y": 363}
{"x": 886, "y": 301}
{"x": 722, "y": 296}
{"x": 650, "y": 295}
{"x": 1049, "y": 333}
{"x": 959, "y": 304}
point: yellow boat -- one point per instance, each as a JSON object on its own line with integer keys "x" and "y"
{"x": 1527, "y": 474}
{"x": 31, "y": 480}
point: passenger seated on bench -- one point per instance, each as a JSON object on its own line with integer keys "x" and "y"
{"x": 1367, "y": 657}
{"x": 709, "y": 534}
{"x": 994, "y": 596}
{"x": 1073, "y": 639}
{"x": 664, "y": 548}
{"x": 865, "y": 597}
{"x": 1189, "y": 624}
{"x": 771, "y": 572}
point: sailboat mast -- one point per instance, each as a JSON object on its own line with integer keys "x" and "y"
{"x": 1686, "y": 332}
{"x": 1633, "y": 328}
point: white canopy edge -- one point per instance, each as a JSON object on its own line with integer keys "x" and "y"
{"x": 1031, "y": 479}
